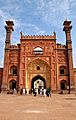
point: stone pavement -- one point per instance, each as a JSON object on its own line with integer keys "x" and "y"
{"x": 56, "y": 107}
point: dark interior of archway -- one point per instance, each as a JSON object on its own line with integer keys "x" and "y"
{"x": 63, "y": 85}
{"x": 13, "y": 84}
{"x": 36, "y": 78}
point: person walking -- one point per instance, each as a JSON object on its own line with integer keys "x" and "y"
{"x": 35, "y": 92}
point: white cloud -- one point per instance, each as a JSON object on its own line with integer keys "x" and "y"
{"x": 46, "y": 9}
{"x": 28, "y": 1}
{"x": 33, "y": 29}
{"x": 6, "y": 16}
{"x": 53, "y": 11}
{"x": 3, "y": 14}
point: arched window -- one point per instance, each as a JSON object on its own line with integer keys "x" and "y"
{"x": 38, "y": 50}
{"x": 38, "y": 67}
{"x": 63, "y": 70}
{"x": 13, "y": 70}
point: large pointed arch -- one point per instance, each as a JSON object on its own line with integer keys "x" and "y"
{"x": 39, "y": 79}
{"x": 38, "y": 68}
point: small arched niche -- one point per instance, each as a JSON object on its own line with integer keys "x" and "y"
{"x": 13, "y": 70}
{"x": 38, "y": 50}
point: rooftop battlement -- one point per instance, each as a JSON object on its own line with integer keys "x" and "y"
{"x": 59, "y": 46}
{"x": 14, "y": 47}
{"x": 25, "y": 37}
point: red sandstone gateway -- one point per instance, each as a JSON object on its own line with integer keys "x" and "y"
{"x": 38, "y": 61}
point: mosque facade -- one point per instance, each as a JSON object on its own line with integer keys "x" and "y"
{"x": 38, "y": 61}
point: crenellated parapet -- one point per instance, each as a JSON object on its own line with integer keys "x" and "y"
{"x": 35, "y": 37}
{"x": 14, "y": 47}
{"x": 60, "y": 46}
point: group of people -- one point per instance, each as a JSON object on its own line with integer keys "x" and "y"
{"x": 33, "y": 91}
{"x": 36, "y": 91}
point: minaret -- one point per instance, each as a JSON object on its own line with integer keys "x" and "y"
{"x": 9, "y": 29}
{"x": 67, "y": 28}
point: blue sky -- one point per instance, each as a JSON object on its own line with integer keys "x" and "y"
{"x": 37, "y": 17}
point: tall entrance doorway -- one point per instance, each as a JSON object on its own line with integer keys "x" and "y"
{"x": 38, "y": 82}
{"x": 38, "y": 74}
{"x": 63, "y": 85}
{"x": 12, "y": 84}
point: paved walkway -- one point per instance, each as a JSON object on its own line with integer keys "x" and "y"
{"x": 56, "y": 107}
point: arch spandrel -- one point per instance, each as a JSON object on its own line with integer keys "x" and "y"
{"x": 39, "y": 61}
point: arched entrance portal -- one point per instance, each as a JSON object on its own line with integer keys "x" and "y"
{"x": 38, "y": 82}
{"x": 12, "y": 84}
{"x": 38, "y": 73}
{"x": 63, "y": 85}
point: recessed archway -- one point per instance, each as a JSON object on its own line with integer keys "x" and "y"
{"x": 12, "y": 84}
{"x": 38, "y": 69}
{"x": 13, "y": 70}
{"x": 38, "y": 82}
{"x": 63, "y": 85}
